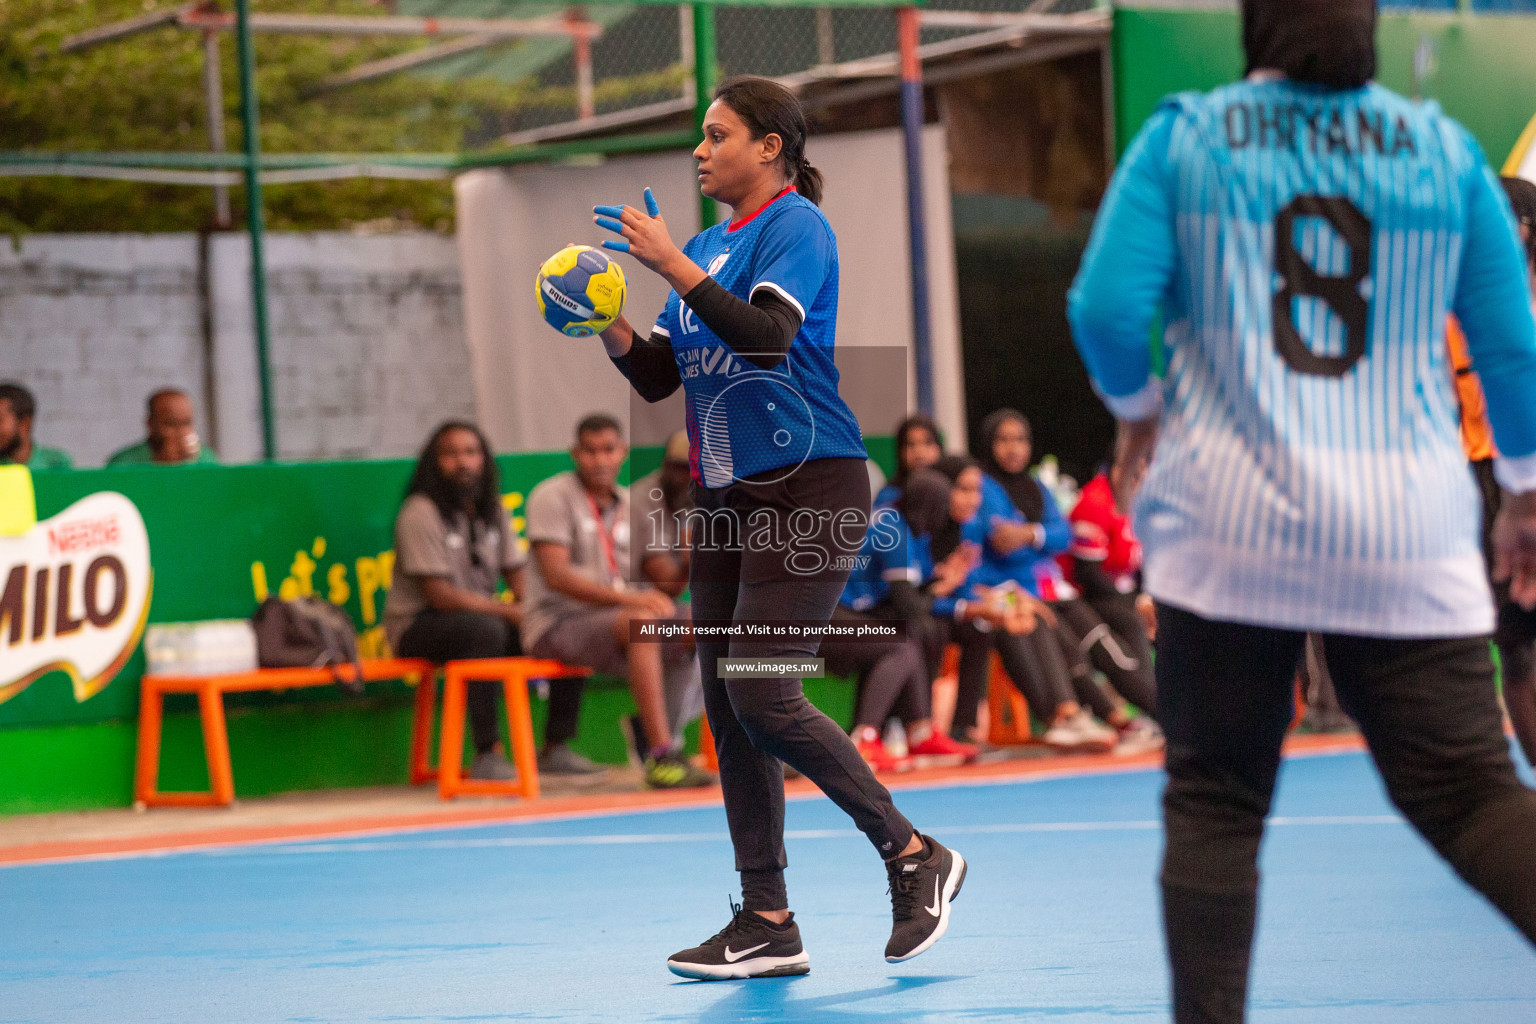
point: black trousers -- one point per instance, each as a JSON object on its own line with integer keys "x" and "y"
{"x": 1037, "y": 662}
{"x": 440, "y": 636}
{"x": 1121, "y": 649}
{"x": 1429, "y": 712}
{"x": 760, "y": 722}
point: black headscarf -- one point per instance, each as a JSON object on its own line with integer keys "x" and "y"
{"x": 948, "y": 470}
{"x": 908, "y": 425}
{"x": 924, "y": 502}
{"x": 1023, "y": 489}
{"x": 1331, "y": 43}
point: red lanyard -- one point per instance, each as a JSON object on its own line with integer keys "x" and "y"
{"x": 605, "y": 536}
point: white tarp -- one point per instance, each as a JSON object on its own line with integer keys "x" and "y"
{"x": 532, "y": 385}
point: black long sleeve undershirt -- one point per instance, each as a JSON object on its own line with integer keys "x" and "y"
{"x": 760, "y": 331}
{"x": 650, "y": 366}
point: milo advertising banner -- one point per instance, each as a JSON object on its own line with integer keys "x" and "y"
{"x": 116, "y": 549}
{"x": 75, "y": 596}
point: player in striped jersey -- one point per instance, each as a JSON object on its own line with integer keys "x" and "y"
{"x": 1304, "y": 234}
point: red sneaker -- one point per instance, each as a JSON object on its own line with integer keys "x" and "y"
{"x": 873, "y": 750}
{"x": 940, "y": 745}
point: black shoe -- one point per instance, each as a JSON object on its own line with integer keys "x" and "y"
{"x": 750, "y": 946}
{"x": 922, "y": 886}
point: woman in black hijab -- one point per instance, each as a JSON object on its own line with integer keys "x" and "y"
{"x": 918, "y": 445}
{"x": 1087, "y": 643}
{"x": 1023, "y": 638}
{"x": 895, "y": 677}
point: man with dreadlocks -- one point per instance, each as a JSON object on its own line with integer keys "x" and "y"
{"x": 453, "y": 545}
{"x": 1303, "y": 234}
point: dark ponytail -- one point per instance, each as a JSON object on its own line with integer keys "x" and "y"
{"x": 767, "y": 108}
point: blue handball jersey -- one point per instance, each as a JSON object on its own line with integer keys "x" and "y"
{"x": 888, "y": 555}
{"x": 1304, "y": 247}
{"x": 742, "y": 419}
{"x": 893, "y": 553}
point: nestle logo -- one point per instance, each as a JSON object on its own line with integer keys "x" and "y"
{"x": 82, "y": 535}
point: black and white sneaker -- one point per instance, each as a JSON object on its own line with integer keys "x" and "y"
{"x": 922, "y": 887}
{"x": 751, "y": 946}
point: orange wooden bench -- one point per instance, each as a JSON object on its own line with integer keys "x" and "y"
{"x": 1007, "y": 710}
{"x": 210, "y": 691}
{"x": 513, "y": 673}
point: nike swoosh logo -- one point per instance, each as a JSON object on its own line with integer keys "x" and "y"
{"x": 731, "y": 957}
{"x": 938, "y": 884}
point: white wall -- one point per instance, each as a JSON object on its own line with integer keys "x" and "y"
{"x": 92, "y": 324}
{"x": 368, "y": 348}
{"x": 532, "y": 385}
{"x": 367, "y": 339}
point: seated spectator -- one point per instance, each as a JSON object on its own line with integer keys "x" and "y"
{"x": 660, "y": 502}
{"x": 172, "y": 439}
{"x": 1025, "y": 537}
{"x": 581, "y": 600}
{"x": 453, "y": 545}
{"x": 893, "y": 683}
{"x": 1103, "y": 565}
{"x": 895, "y": 676}
{"x": 917, "y": 447}
{"x": 18, "y": 410}
{"x": 1027, "y": 643}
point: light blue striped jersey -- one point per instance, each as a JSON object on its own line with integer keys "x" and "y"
{"x": 1304, "y": 247}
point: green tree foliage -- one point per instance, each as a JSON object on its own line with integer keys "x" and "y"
{"x": 146, "y": 93}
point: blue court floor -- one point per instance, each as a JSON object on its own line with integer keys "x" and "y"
{"x": 572, "y": 920}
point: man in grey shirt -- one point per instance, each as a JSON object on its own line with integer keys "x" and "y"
{"x": 454, "y": 545}
{"x": 581, "y": 597}
{"x": 659, "y": 503}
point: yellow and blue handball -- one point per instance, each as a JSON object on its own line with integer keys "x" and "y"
{"x": 581, "y": 291}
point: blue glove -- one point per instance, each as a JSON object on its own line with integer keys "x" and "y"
{"x": 607, "y": 218}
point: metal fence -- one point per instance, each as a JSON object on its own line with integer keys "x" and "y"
{"x": 640, "y": 67}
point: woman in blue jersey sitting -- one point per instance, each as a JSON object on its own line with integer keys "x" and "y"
{"x": 778, "y": 468}
{"x": 896, "y": 579}
{"x": 1031, "y": 653}
{"x": 1024, "y": 511}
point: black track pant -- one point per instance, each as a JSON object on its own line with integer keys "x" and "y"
{"x": 1114, "y": 639}
{"x": 759, "y": 722}
{"x": 1429, "y": 712}
{"x": 440, "y": 636}
{"x": 893, "y": 675}
{"x": 1037, "y": 664}
{"x": 973, "y": 672}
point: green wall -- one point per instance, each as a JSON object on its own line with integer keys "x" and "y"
{"x": 215, "y": 533}
{"x": 1483, "y": 70}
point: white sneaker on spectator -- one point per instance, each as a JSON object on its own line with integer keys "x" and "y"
{"x": 1081, "y": 734}
{"x": 1140, "y": 736}
{"x": 562, "y": 760}
{"x": 1096, "y": 735}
